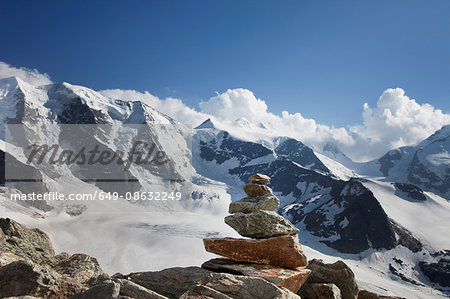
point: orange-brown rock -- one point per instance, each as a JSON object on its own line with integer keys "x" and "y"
{"x": 258, "y": 178}
{"x": 282, "y": 277}
{"x": 256, "y": 190}
{"x": 278, "y": 251}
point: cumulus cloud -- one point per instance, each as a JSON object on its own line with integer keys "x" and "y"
{"x": 396, "y": 121}
{"x": 31, "y": 76}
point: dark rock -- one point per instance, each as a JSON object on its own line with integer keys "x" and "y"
{"x": 409, "y": 192}
{"x": 172, "y": 282}
{"x": 320, "y": 291}
{"x": 437, "y": 272}
{"x": 105, "y": 290}
{"x": 22, "y": 278}
{"x": 337, "y": 273}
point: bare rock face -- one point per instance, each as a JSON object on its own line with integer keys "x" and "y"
{"x": 32, "y": 244}
{"x": 260, "y": 224}
{"x": 259, "y": 178}
{"x": 238, "y": 287}
{"x": 282, "y": 277}
{"x": 7, "y": 258}
{"x": 105, "y": 290}
{"x": 281, "y": 251}
{"x": 133, "y": 290}
{"x": 195, "y": 282}
{"x": 337, "y": 273}
{"x": 81, "y": 267}
{"x": 321, "y": 291}
{"x": 22, "y": 278}
{"x": 253, "y": 190}
{"x": 267, "y": 202}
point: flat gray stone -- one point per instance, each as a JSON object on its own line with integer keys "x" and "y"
{"x": 267, "y": 202}
{"x": 260, "y": 224}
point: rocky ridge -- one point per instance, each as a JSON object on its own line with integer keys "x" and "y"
{"x": 29, "y": 268}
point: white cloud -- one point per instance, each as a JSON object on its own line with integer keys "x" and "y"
{"x": 173, "y": 107}
{"x": 396, "y": 120}
{"x": 31, "y": 76}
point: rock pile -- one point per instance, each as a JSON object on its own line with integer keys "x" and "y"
{"x": 273, "y": 252}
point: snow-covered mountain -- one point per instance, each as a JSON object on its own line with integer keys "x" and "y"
{"x": 388, "y": 218}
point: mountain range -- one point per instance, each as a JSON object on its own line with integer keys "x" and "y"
{"x": 387, "y": 218}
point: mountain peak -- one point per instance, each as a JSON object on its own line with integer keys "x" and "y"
{"x": 207, "y": 124}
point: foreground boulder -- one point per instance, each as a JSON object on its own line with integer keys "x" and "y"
{"x": 22, "y": 278}
{"x": 337, "y": 273}
{"x": 260, "y": 224}
{"x": 194, "y": 281}
{"x": 32, "y": 244}
{"x": 321, "y": 291}
{"x": 278, "y": 251}
{"x": 282, "y": 277}
{"x": 79, "y": 266}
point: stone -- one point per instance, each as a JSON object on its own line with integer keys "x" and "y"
{"x": 32, "y": 244}
{"x": 7, "y": 258}
{"x": 133, "y": 290}
{"x": 281, "y": 251}
{"x": 260, "y": 179}
{"x": 253, "y": 190}
{"x": 260, "y": 224}
{"x": 105, "y": 290}
{"x": 337, "y": 273}
{"x": 171, "y": 282}
{"x": 363, "y": 294}
{"x": 282, "y": 277}
{"x": 195, "y": 282}
{"x": 266, "y": 202}
{"x": 203, "y": 292}
{"x": 320, "y": 291}
{"x": 79, "y": 266}
{"x": 24, "y": 277}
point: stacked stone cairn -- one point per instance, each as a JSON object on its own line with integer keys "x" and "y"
{"x": 272, "y": 252}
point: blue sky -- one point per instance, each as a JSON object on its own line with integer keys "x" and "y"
{"x": 323, "y": 59}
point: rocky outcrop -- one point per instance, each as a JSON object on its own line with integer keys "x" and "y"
{"x": 31, "y": 244}
{"x": 194, "y": 282}
{"x": 337, "y": 273}
{"x": 321, "y": 291}
{"x": 282, "y": 277}
{"x": 278, "y": 251}
{"x": 438, "y": 272}
{"x": 23, "y": 277}
{"x": 80, "y": 276}
{"x": 28, "y": 265}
